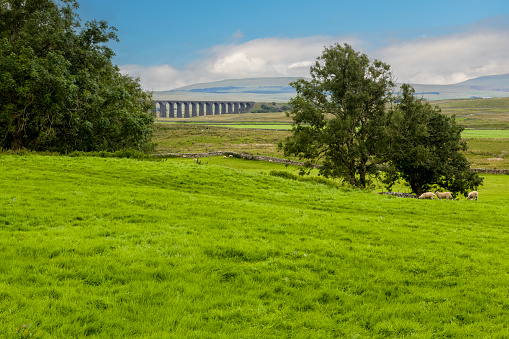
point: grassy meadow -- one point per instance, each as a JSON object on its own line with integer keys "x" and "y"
{"x": 95, "y": 247}
{"x": 122, "y": 248}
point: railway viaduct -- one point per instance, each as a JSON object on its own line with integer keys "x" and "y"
{"x": 187, "y": 109}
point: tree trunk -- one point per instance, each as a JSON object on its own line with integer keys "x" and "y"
{"x": 416, "y": 188}
{"x": 352, "y": 172}
{"x": 16, "y": 143}
{"x": 362, "y": 175}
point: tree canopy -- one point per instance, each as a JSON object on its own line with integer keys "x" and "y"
{"x": 338, "y": 115}
{"x": 59, "y": 89}
{"x": 425, "y": 147}
{"x": 344, "y": 120}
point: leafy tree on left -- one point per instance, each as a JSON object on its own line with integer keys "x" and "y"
{"x": 59, "y": 89}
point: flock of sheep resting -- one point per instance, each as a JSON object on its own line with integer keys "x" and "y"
{"x": 446, "y": 195}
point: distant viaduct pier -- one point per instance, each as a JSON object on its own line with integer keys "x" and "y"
{"x": 188, "y": 109}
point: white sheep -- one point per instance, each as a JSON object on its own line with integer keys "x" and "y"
{"x": 444, "y": 195}
{"x": 231, "y": 156}
{"x": 473, "y": 195}
{"x": 427, "y": 195}
{"x": 224, "y": 157}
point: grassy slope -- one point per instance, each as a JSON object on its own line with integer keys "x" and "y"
{"x": 121, "y": 248}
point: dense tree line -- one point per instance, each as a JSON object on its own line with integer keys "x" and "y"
{"x": 270, "y": 108}
{"x": 346, "y": 118}
{"x": 59, "y": 89}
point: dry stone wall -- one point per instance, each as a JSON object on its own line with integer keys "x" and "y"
{"x": 235, "y": 154}
{"x": 287, "y": 161}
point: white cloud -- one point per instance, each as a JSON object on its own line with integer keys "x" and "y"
{"x": 302, "y": 64}
{"x": 265, "y": 57}
{"x": 445, "y": 59}
{"x": 271, "y": 57}
{"x": 155, "y": 78}
{"x": 449, "y": 59}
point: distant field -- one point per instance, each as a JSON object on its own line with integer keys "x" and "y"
{"x": 478, "y": 113}
{"x": 485, "y": 134}
{"x": 284, "y": 127}
{"x": 471, "y": 113}
{"x": 486, "y": 149}
{"x": 122, "y": 248}
{"x": 278, "y": 117}
{"x": 468, "y": 133}
{"x": 197, "y": 138}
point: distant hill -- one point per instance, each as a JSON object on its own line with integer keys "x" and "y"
{"x": 255, "y": 89}
{"x": 279, "y": 90}
{"x": 481, "y": 87}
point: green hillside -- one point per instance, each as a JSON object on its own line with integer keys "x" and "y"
{"x": 279, "y": 90}
{"x": 120, "y": 248}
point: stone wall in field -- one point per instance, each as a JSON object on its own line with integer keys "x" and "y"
{"x": 234, "y": 154}
{"x": 489, "y": 171}
{"x": 401, "y": 195}
{"x": 287, "y": 161}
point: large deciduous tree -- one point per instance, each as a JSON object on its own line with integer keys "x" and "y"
{"x": 425, "y": 148}
{"x": 59, "y": 90}
{"x": 339, "y": 114}
{"x": 343, "y": 119}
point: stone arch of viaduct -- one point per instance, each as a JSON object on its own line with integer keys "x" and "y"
{"x": 187, "y": 109}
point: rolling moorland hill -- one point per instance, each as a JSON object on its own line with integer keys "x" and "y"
{"x": 279, "y": 90}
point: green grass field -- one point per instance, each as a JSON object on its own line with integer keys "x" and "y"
{"x": 121, "y": 248}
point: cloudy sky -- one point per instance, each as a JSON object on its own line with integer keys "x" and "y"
{"x": 169, "y": 44}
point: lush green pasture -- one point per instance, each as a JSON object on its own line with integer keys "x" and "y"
{"x": 119, "y": 248}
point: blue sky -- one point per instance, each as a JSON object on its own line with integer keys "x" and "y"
{"x": 169, "y": 44}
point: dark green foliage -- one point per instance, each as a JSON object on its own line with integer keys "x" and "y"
{"x": 59, "y": 90}
{"x": 272, "y": 107}
{"x": 127, "y": 153}
{"x": 425, "y": 148}
{"x": 315, "y": 180}
{"x": 339, "y": 114}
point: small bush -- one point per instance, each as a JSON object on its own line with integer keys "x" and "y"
{"x": 284, "y": 174}
{"x": 315, "y": 180}
{"x": 129, "y": 153}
